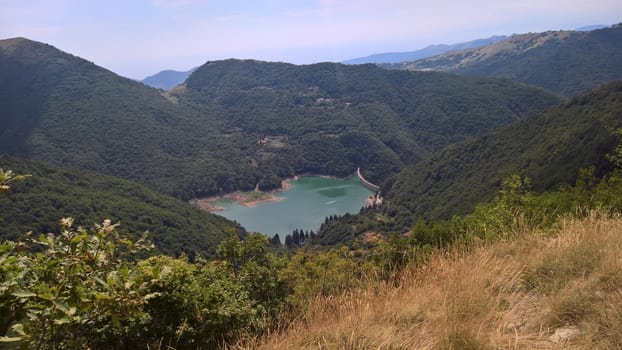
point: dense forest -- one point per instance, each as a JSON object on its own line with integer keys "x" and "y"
{"x": 51, "y": 193}
{"x": 335, "y": 117}
{"x": 566, "y": 62}
{"x": 255, "y": 125}
{"x": 549, "y": 148}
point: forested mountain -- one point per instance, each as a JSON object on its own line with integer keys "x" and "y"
{"x": 330, "y": 118}
{"x": 51, "y": 193}
{"x": 549, "y": 148}
{"x": 567, "y": 62}
{"x": 62, "y": 109}
{"x": 167, "y": 79}
{"x": 430, "y": 50}
{"x": 238, "y": 124}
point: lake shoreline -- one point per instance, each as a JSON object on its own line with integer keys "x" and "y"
{"x": 255, "y": 197}
{"x": 305, "y": 204}
{"x": 247, "y": 199}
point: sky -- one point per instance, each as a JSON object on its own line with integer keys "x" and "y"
{"x": 138, "y": 38}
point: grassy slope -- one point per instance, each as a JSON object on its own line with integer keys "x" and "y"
{"x": 566, "y": 62}
{"x": 507, "y": 295}
{"x": 550, "y": 148}
{"x": 52, "y": 193}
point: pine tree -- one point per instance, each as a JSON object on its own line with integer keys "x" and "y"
{"x": 296, "y": 237}
{"x": 275, "y": 241}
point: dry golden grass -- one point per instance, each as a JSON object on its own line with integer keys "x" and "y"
{"x": 506, "y": 295}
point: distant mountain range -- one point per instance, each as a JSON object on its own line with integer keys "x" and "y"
{"x": 167, "y": 79}
{"x": 433, "y": 50}
{"x": 591, "y": 27}
{"x": 567, "y": 62}
{"x": 396, "y": 57}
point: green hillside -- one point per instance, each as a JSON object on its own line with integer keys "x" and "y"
{"x": 239, "y": 124}
{"x": 62, "y": 109}
{"x": 550, "y": 148}
{"x": 51, "y": 193}
{"x": 566, "y": 62}
{"x": 330, "y": 118}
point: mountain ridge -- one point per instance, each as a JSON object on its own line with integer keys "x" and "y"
{"x": 430, "y": 50}
{"x": 167, "y": 79}
{"x": 567, "y": 62}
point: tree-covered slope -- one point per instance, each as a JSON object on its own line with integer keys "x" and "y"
{"x": 239, "y": 124}
{"x": 567, "y": 62}
{"x": 62, "y": 109}
{"x": 51, "y": 193}
{"x": 331, "y": 118}
{"x": 550, "y": 148}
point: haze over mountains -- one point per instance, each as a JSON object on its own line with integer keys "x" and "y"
{"x": 167, "y": 79}
{"x": 431, "y": 50}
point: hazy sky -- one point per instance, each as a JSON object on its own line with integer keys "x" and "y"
{"x": 136, "y": 38}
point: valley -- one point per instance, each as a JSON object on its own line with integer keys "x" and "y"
{"x": 464, "y": 200}
{"x": 303, "y": 206}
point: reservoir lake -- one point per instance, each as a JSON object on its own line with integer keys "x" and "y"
{"x": 304, "y": 206}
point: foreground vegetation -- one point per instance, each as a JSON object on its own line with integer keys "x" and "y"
{"x": 95, "y": 288}
{"x": 558, "y": 289}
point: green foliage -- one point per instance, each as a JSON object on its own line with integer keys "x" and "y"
{"x": 197, "y": 305}
{"x": 257, "y": 269}
{"x": 35, "y": 205}
{"x": 82, "y": 288}
{"x": 615, "y": 156}
{"x": 334, "y": 117}
{"x": 515, "y": 208}
{"x": 6, "y": 177}
{"x": 71, "y": 289}
{"x": 310, "y": 274}
{"x": 501, "y": 216}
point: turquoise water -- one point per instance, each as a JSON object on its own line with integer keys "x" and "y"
{"x": 305, "y": 206}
